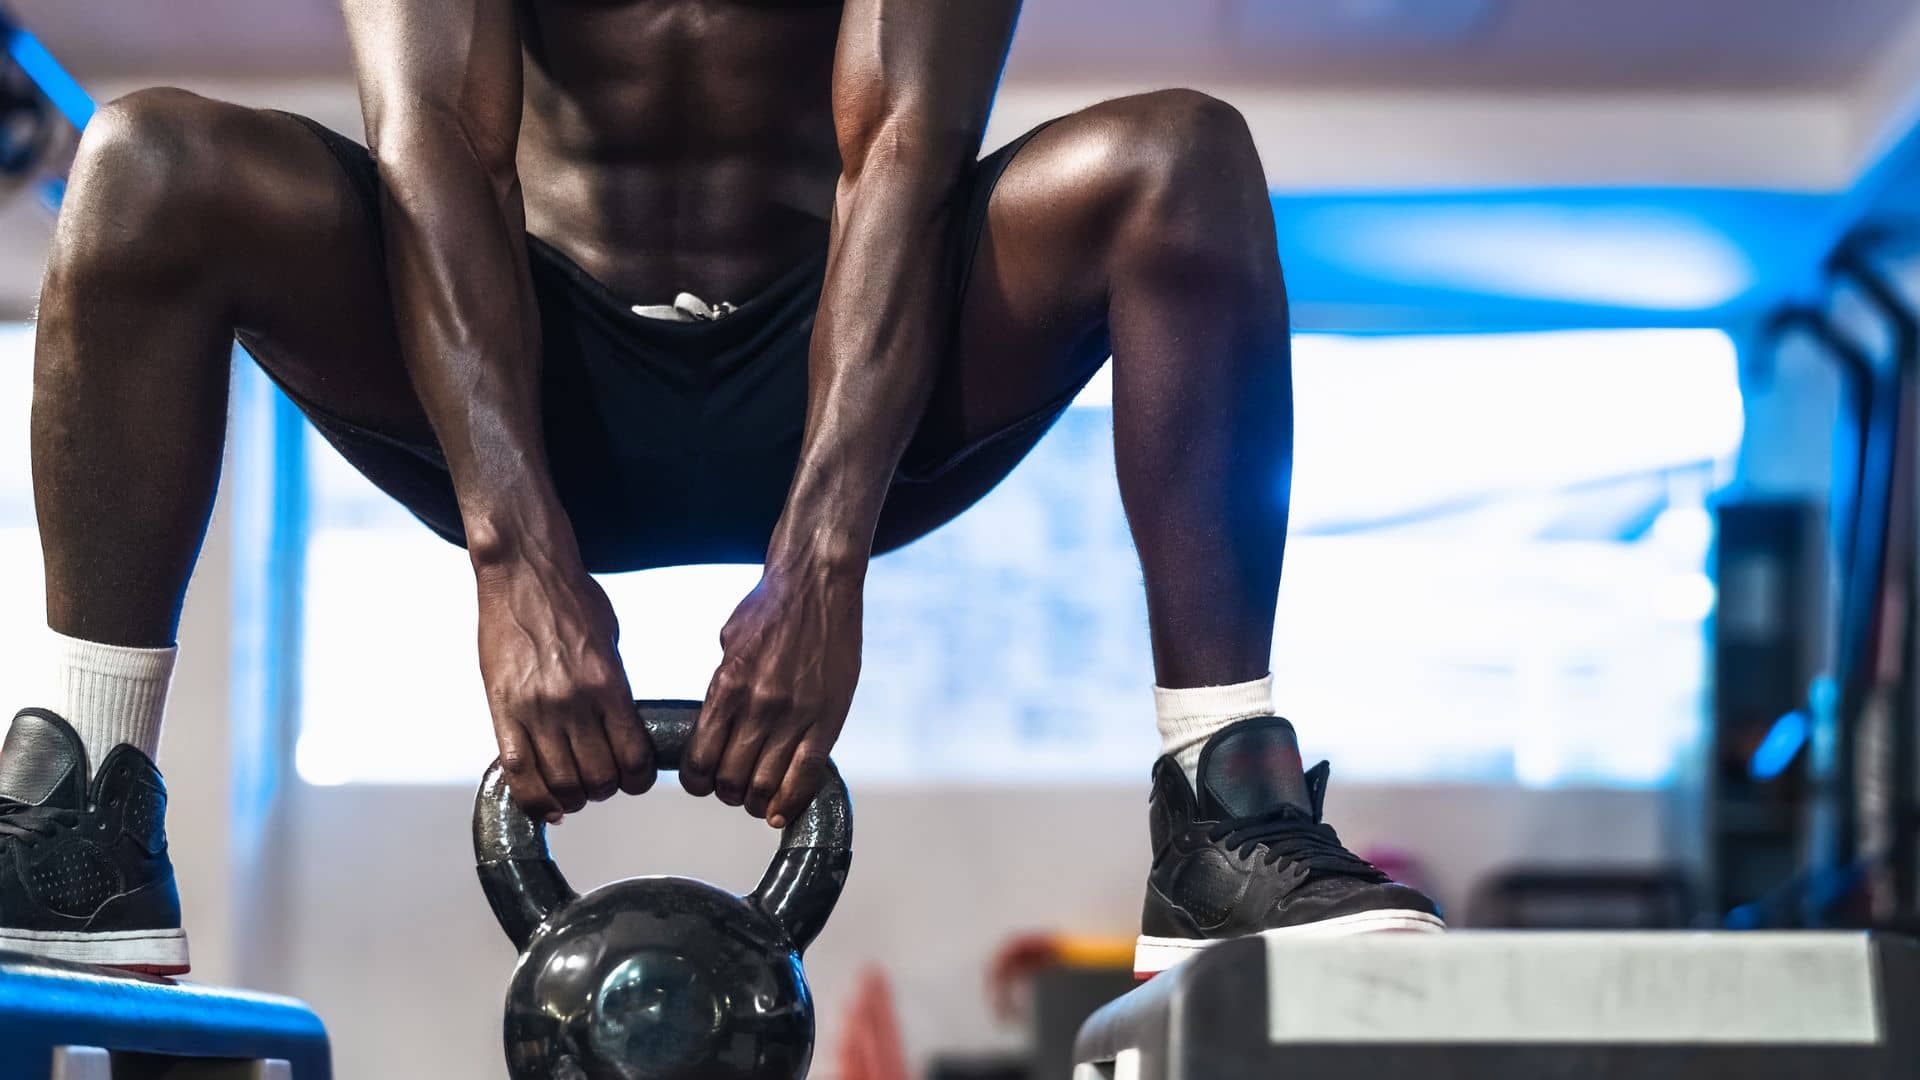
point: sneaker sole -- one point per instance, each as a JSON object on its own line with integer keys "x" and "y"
{"x": 1153, "y": 955}
{"x": 149, "y": 952}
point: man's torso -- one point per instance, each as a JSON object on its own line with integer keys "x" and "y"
{"x": 679, "y": 144}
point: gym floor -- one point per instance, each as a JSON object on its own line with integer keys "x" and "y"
{"x": 1575, "y": 288}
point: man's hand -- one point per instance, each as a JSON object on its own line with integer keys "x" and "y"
{"x": 791, "y": 659}
{"x": 912, "y": 86}
{"x": 562, "y": 711}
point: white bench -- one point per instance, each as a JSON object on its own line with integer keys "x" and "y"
{"x": 1493, "y": 1004}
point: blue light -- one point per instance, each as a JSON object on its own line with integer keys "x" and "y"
{"x": 1780, "y": 747}
{"x": 1579, "y": 258}
{"x": 34, "y": 59}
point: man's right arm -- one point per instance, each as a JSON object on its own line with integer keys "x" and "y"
{"x": 440, "y": 87}
{"x": 441, "y": 91}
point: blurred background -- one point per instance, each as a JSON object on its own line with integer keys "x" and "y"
{"x": 1599, "y": 593}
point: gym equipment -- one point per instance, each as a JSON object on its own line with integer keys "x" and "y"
{"x": 1584, "y": 898}
{"x": 660, "y": 978}
{"x": 1051, "y": 982}
{"x": 62, "y": 1021}
{"x": 26, "y": 124}
{"x": 1858, "y": 847}
{"x": 1480, "y": 1005}
{"x": 60, "y": 89}
{"x": 42, "y": 112}
{"x": 1886, "y": 843}
{"x": 1770, "y": 564}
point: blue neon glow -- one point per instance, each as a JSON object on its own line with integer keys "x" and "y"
{"x": 61, "y": 89}
{"x": 1780, "y": 747}
{"x": 1540, "y": 259}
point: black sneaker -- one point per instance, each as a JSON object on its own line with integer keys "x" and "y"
{"x": 1250, "y": 855}
{"x": 84, "y": 875}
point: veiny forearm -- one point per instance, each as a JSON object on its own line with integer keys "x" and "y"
{"x": 913, "y": 82}
{"x": 876, "y": 349}
{"x": 470, "y": 332}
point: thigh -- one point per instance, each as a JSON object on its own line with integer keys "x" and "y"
{"x": 311, "y": 301}
{"x": 1031, "y": 327}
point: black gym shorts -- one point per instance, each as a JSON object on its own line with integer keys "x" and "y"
{"x": 670, "y": 443}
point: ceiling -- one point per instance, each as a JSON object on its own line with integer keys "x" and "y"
{"x": 1537, "y": 45}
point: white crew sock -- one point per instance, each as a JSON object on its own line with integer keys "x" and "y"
{"x": 1188, "y": 718}
{"x": 111, "y": 694}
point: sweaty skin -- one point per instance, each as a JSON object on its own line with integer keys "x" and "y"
{"x": 765, "y": 132}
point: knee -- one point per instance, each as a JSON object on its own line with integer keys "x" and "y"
{"x": 147, "y": 183}
{"x": 1194, "y": 179}
{"x": 1175, "y": 128}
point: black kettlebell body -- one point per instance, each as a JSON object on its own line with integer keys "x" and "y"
{"x": 660, "y": 978}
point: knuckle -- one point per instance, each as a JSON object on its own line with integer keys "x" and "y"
{"x": 771, "y": 699}
{"x": 728, "y": 683}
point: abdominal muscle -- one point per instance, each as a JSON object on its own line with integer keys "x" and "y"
{"x": 679, "y": 145}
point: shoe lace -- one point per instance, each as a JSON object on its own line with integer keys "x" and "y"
{"x": 1289, "y": 833}
{"x": 29, "y": 824}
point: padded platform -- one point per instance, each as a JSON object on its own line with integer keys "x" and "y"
{"x": 71, "y": 1022}
{"x": 1518, "y": 1004}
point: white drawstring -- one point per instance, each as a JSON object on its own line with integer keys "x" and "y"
{"x": 685, "y": 308}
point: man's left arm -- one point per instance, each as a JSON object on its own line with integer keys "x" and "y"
{"x": 913, "y": 82}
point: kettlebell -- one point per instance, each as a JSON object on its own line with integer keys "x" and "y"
{"x": 660, "y": 978}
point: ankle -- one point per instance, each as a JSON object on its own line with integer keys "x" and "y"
{"x": 110, "y": 694}
{"x": 1188, "y": 717}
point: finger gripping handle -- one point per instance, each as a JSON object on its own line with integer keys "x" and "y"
{"x": 826, "y": 822}
{"x": 524, "y": 886}
{"x": 669, "y": 726}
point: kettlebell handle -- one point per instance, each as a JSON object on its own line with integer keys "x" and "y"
{"x": 524, "y": 885}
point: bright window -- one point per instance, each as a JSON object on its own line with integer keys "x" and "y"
{"x": 1496, "y": 573}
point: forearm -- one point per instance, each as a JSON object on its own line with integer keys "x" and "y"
{"x": 875, "y": 352}
{"x": 912, "y": 85}
{"x": 469, "y": 330}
